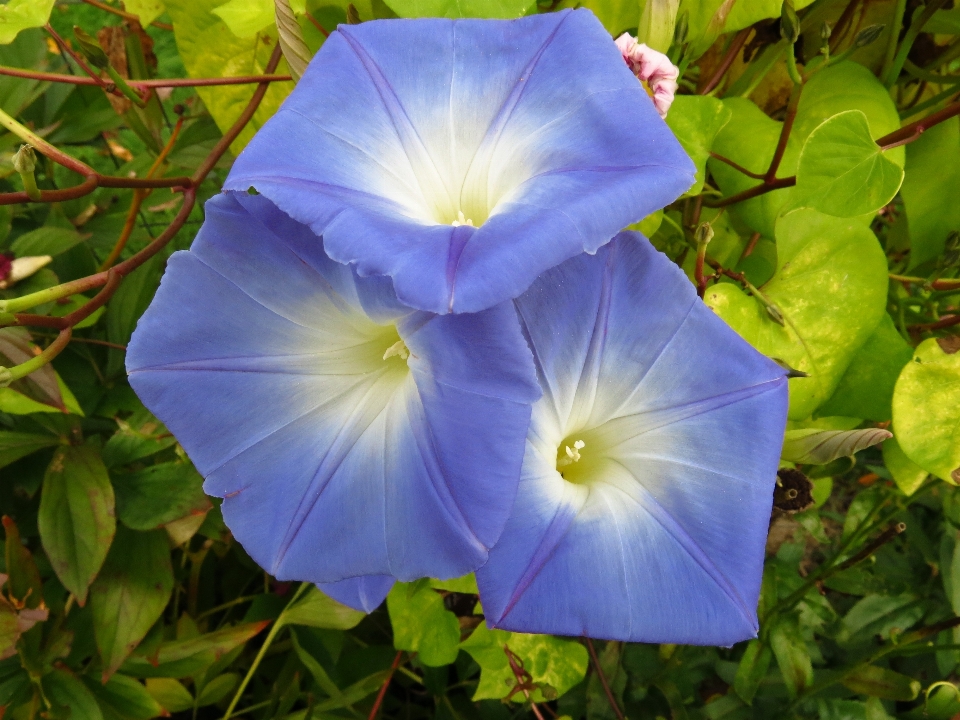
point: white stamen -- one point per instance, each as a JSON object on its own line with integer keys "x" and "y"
{"x": 573, "y": 453}
{"x": 398, "y": 349}
{"x": 461, "y": 220}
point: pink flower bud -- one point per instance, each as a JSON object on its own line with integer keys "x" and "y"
{"x": 653, "y": 68}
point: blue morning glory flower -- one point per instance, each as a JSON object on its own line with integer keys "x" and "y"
{"x": 462, "y": 158}
{"x": 361, "y": 593}
{"x": 347, "y": 434}
{"x": 648, "y": 478}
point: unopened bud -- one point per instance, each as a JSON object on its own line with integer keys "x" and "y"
{"x": 6, "y": 377}
{"x": 353, "y": 17}
{"x": 703, "y": 234}
{"x": 774, "y": 313}
{"x": 868, "y": 35}
{"x": 25, "y": 162}
{"x": 23, "y": 268}
{"x": 91, "y": 48}
{"x": 789, "y": 22}
{"x": 682, "y": 28}
{"x": 825, "y": 31}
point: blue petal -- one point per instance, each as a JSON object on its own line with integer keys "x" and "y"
{"x": 657, "y": 532}
{"x": 532, "y": 128}
{"x": 266, "y": 360}
{"x": 361, "y": 593}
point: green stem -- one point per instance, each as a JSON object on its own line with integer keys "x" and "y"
{"x": 25, "y": 302}
{"x": 895, "y": 27}
{"x": 123, "y": 87}
{"x": 893, "y": 72}
{"x": 268, "y": 641}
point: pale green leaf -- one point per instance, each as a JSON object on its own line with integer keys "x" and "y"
{"x": 76, "y": 517}
{"x": 792, "y": 655}
{"x": 295, "y": 49}
{"x": 19, "y": 15}
{"x": 246, "y": 18}
{"x": 209, "y": 49}
{"x": 317, "y": 610}
{"x": 926, "y": 410}
{"x": 907, "y": 474}
{"x": 842, "y": 171}
{"x": 422, "y": 624}
{"x": 831, "y": 287}
{"x": 696, "y": 120}
{"x": 866, "y": 388}
{"x": 147, "y": 10}
{"x": 180, "y": 658}
{"x": 464, "y": 8}
{"x": 555, "y": 663}
{"x": 930, "y": 190}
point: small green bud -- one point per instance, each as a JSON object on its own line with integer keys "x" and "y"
{"x": 868, "y": 35}
{"x": 25, "y": 161}
{"x": 703, "y": 234}
{"x": 682, "y": 28}
{"x": 353, "y": 17}
{"x": 774, "y": 312}
{"x": 825, "y": 31}
{"x": 6, "y": 377}
{"x": 789, "y": 22}
{"x": 91, "y": 48}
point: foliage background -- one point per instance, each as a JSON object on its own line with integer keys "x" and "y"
{"x": 124, "y": 594}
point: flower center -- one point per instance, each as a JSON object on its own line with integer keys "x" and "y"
{"x": 461, "y": 220}
{"x": 398, "y": 349}
{"x": 580, "y": 457}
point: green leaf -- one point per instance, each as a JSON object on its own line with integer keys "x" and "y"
{"x": 882, "y": 683}
{"x": 170, "y": 694}
{"x": 930, "y": 190}
{"x": 19, "y": 15}
{"x": 295, "y": 50}
{"x": 159, "y": 494}
{"x": 317, "y": 610}
{"x": 421, "y": 623}
{"x": 23, "y": 577}
{"x": 842, "y": 171}
{"x": 217, "y": 689}
{"x": 553, "y": 662}
{"x": 866, "y": 388}
{"x": 139, "y": 436}
{"x": 50, "y": 240}
{"x": 507, "y": 9}
{"x": 127, "y": 697}
{"x": 75, "y": 302}
{"x": 616, "y": 15}
{"x": 831, "y": 287}
{"x": 147, "y": 10}
{"x": 246, "y": 18}
{"x": 879, "y": 615}
{"x": 907, "y": 474}
{"x": 696, "y": 120}
{"x": 182, "y": 658}
{"x": 819, "y": 447}
{"x": 15, "y": 445}
{"x": 466, "y": 584}
{"x": 792, "y": 655}
{"x": 65, "y": 690}
{"x": 76, "y": 518}
{"x": 130, "y": 593}
{"x": 926, "y": 410}
{"x": 209, "y": 49}
{"x": 752, "y": 669}
{"x": 750, "y": 137}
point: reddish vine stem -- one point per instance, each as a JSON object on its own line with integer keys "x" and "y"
{"x": 739, "y": 168}
{"x": 142, "y": 84}
{"x": 523, "y": 680}
{"x": 736, "y": 44}
{"x": 110, "y": 279}
{"x": 753, "y": 192}
{"x": 603, "y": 680}
{"x": 751, "y": 245}
{"x": 788, "y": 120}
{"x": 882, "y": 539}
{"x": 944, "y": 322}
{"x": 383, "y": 688}
{"x": 95, "y": 76}
{"x": 911, "y": 132}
